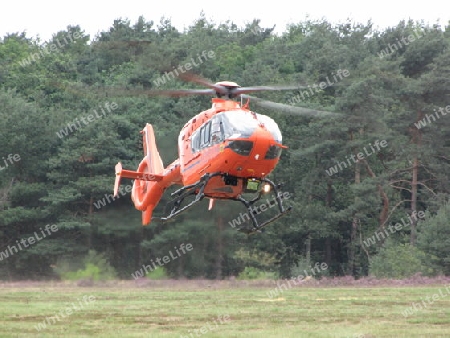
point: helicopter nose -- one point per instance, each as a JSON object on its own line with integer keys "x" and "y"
{"x": 264, "y": 145}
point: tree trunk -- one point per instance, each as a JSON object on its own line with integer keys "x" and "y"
{"x": 219, "y": 248}
{"x": 385, "y": 210}
{"x": 328, "y": 251}
{"x": 417, "y": 140}
{"x": 354, "y": 229}
{"x": 328, "y": 239}
{"x": 414, "y": 200}
{"x": 308, "y": 251}
{"x": 140, "y": 239}
{"x": 91, "y": 206}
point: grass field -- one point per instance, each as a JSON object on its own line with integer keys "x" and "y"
{"x": 239, "y": 309}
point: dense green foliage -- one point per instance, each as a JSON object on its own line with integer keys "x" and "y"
{"x": 399, "y": 261}
{"x": 94, "y": 267}
{"x": 434, "y": 239}
{"x": 63, "y": 170}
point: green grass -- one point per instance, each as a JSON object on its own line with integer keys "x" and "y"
{"x": 125, "y": 310}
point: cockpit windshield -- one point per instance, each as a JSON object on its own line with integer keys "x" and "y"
{"x": 242, "y": 125}
{"x": 271, "y": 126}
{"x": 238, "y": 124}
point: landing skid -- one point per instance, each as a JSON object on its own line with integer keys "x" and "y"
{"x": 197, "y": 189}
{"x": 251, "y": 211}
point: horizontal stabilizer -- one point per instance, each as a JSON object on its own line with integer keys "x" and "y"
{"x": 136, "y": 175}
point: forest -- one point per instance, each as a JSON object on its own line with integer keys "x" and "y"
{"x": 368, "y": 186}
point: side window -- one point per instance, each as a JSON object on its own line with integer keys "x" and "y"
{"x": 196, "y": 141}
{"x": 206, "y": 134}
{"x": 201, "y": 138}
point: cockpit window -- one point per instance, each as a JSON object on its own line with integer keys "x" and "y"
{"x": 271, "y": 126}
{"x": 232, "y": 125}
{"x": 217, "y": 134}
{"x": 238, "y": 125}
{"x": 242, "y": 125}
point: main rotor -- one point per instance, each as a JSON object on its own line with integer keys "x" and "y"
{"x": 227, "y": 86}
{"x": 225, "y": 89}
{"x": 231, "y": 90}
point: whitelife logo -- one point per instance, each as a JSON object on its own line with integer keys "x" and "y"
{"x": 47, "y": 49}
{"x": 205, "y": 328}
{"x": 296, "y": 280}
{"x": 317, "y": 88}
{"x": 109, "y": 198}
{"x": 166, "y": 259}
{"x": 334, "y": 170}
{"x": 417, "y": 306}
{"x": 427, "y": 119}
{"x": 11, "y": 159}
{"x": 391, "y": 48}
{"x": 385, "y": 234}
{"x": 76, "y": 124}
{"x": 256, "y": 210}
{"x": 187, "y": 66}
{"x": 26, "y": 242}
{"x": 87, "y": 300}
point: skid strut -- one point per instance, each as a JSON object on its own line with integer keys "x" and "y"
{"x": 197, "y": 189}
{"x": 251, "y": 212}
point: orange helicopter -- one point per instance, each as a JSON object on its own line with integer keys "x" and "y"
{"x": 224, "y": 152}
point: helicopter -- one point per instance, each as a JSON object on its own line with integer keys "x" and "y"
{"x": 224, "y": 152}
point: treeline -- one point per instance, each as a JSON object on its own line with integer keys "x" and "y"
{"x": 72, "y": 107}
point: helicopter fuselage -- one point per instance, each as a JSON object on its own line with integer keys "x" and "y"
{"x": 223, "y": 152}
{"x": 229, "y": 139}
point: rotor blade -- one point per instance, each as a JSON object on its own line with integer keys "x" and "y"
{"x": 121, "y": 91}
{"x": 190, "y": 77}
{"x": 287, "y": 109}
{"x": 179, "y": 92}
{"x": 120, "y": 44}
{"x": 245, "y": 90}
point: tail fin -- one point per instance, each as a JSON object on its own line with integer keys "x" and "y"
{"x": 147, "y": 190}
{"x": 155, "y": 163}
{"x": 154, "y": 166}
